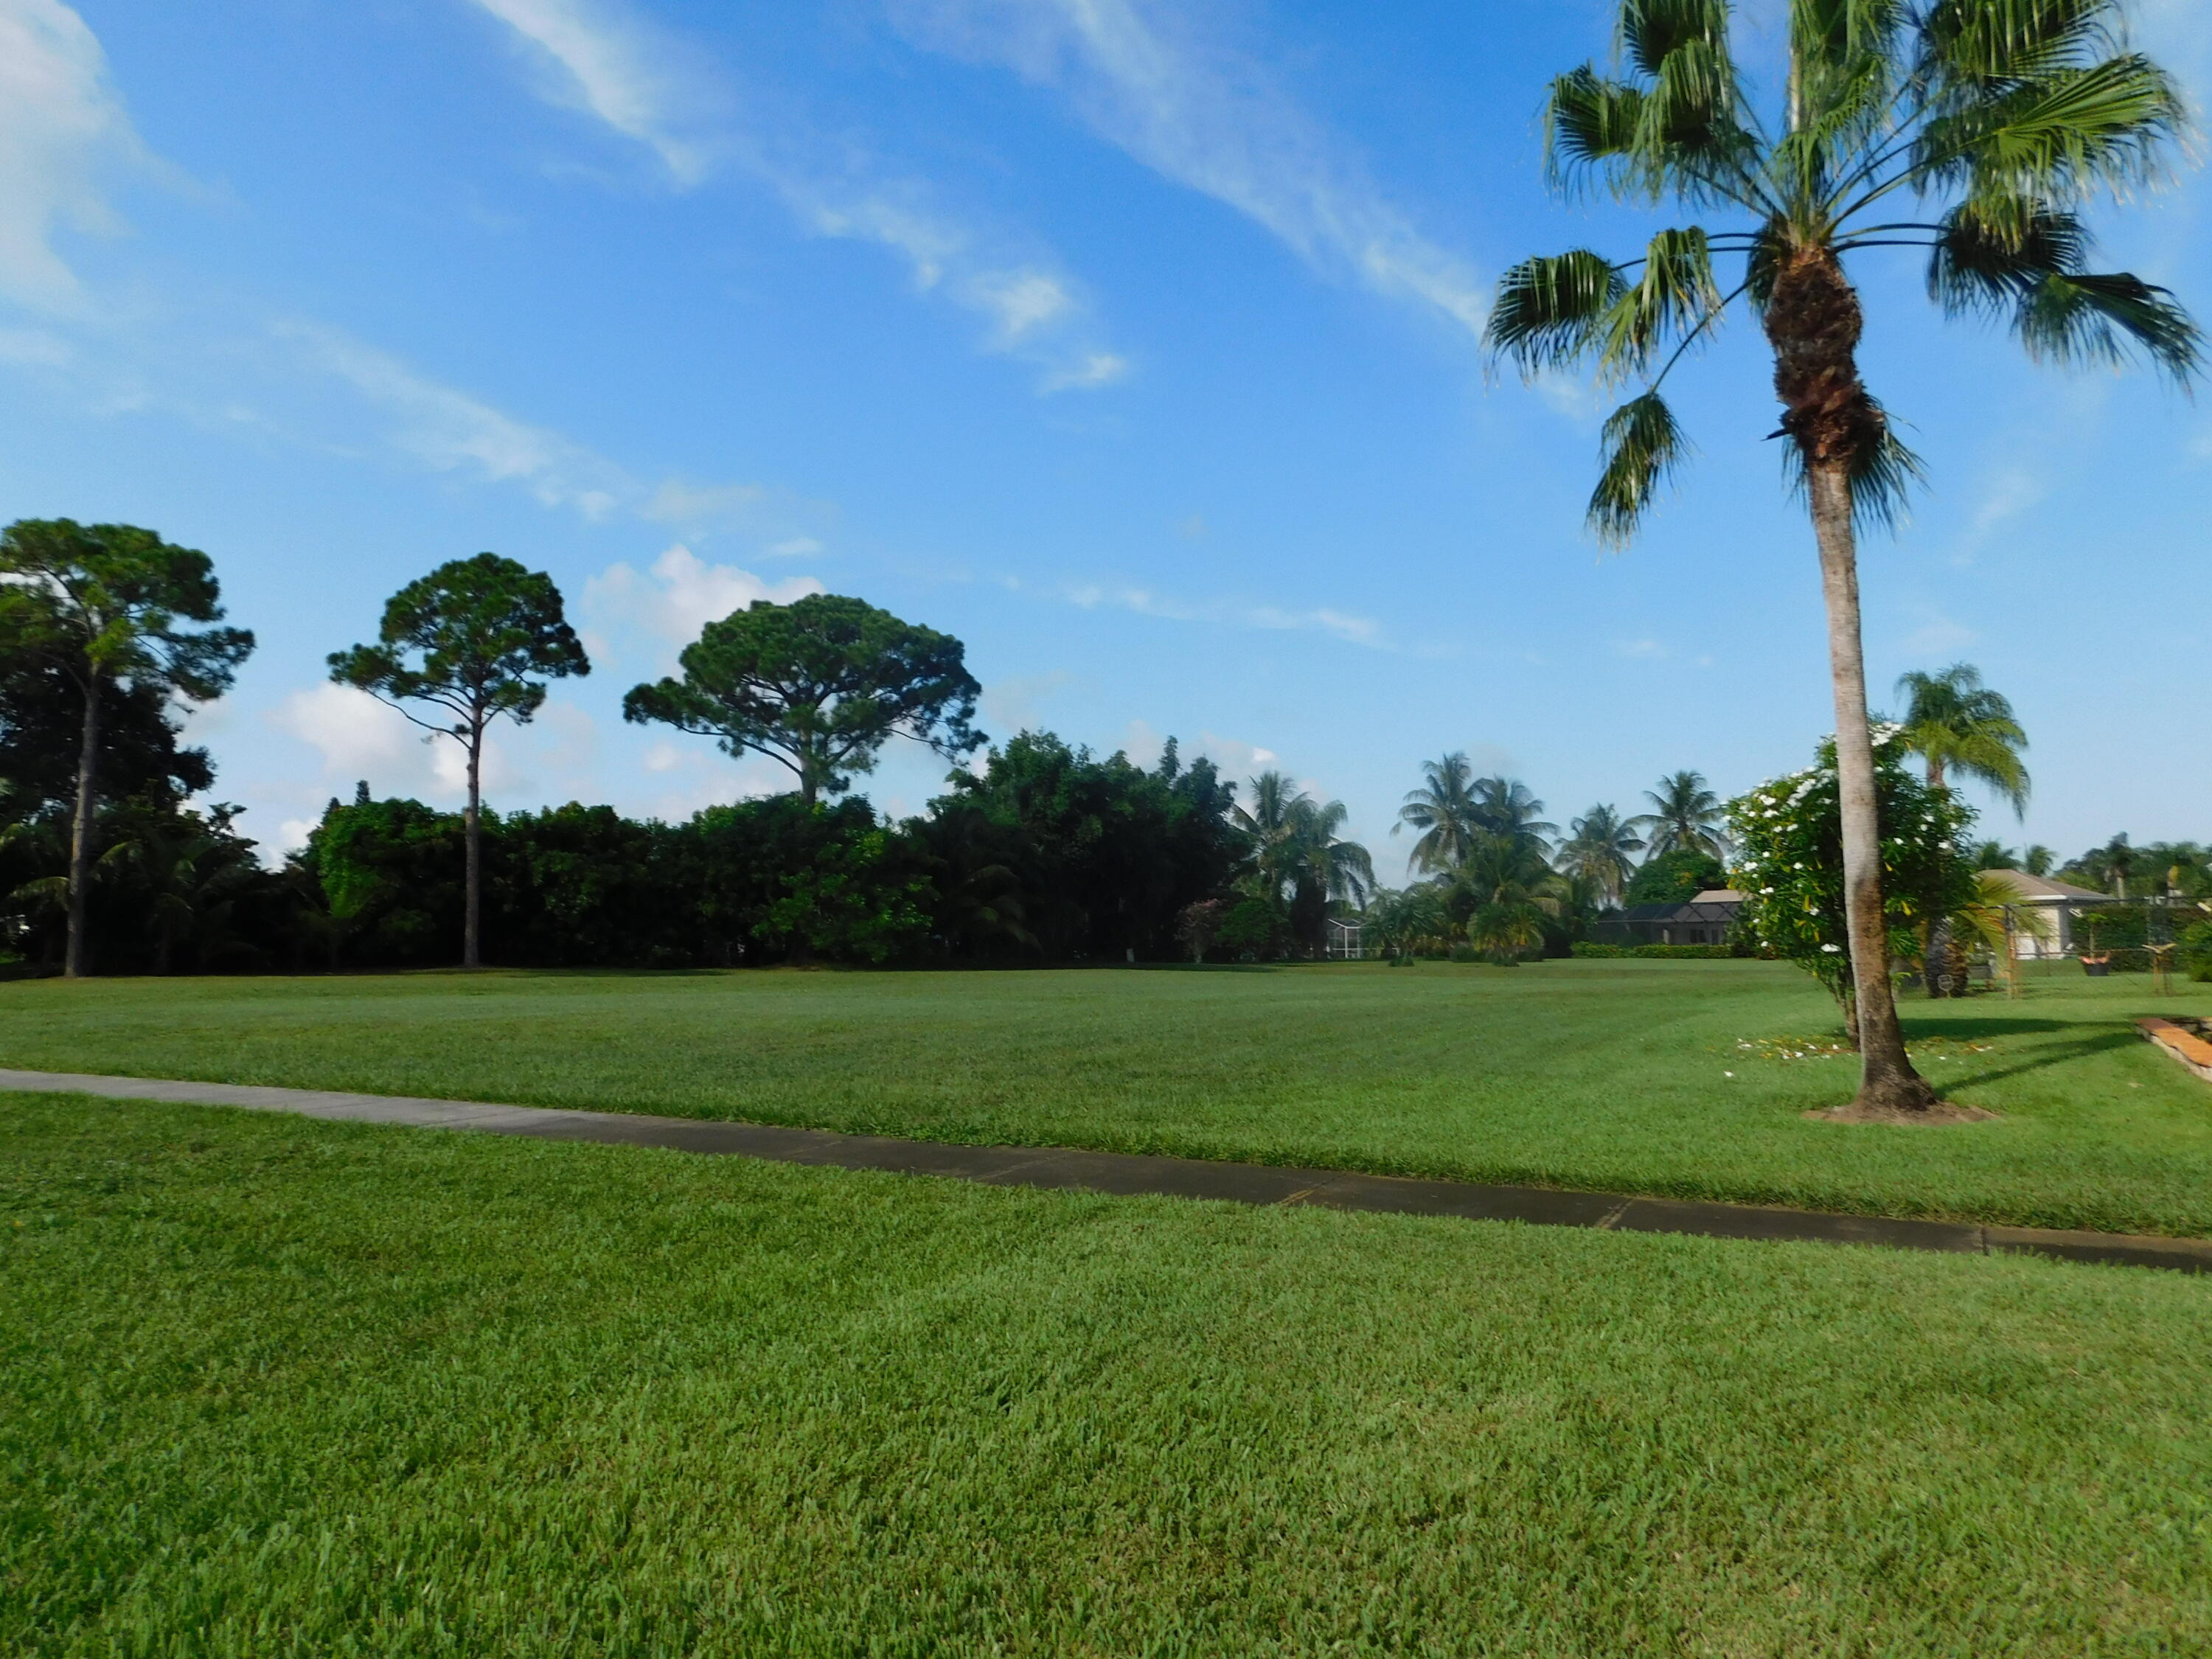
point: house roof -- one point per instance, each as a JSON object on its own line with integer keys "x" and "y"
{"x": 2032, "y": 888}
{"x": 1718, "y": 896}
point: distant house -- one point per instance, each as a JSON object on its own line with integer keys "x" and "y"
{"x": 1705, "y": 919}
{"x": 2053, "y": 912}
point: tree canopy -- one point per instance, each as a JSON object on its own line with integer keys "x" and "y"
{"x": 819, "y": 686}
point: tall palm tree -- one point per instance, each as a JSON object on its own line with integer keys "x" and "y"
{"x": 1272, "y": 821}
{"x": 1322, "y": 859}
{"x": 1444, "y": 809}
{"x": 1599, "y": 849}
{"x": 1504, "y": 808}
{"x": 1959, "y": 725}
{"x": 1685, "y": 814}
{"x": 2001, "y": 118}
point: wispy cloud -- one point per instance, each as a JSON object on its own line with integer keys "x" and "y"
{"x": 1145, "y": 601}
{"x": 448, "y": 430}
{"x": 612, "y": 65}
{"x": 63, "y": 132}
{"x": 1212, "y": 120}
{"x": 602, "y": 59}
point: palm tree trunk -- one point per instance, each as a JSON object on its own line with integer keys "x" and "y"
{"x": 472, "y": 833}
{"x": 75, "y": 964}
{"x": 1887, "y": 1081}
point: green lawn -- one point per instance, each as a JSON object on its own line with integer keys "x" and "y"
{"x": 277, "y": 1386}
{"x": 1604, "y": 1074}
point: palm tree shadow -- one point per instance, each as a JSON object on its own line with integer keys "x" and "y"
{"x": 2058, "y": 1054}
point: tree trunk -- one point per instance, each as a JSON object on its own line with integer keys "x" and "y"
{"x": 1887, "y": 1081}
{"x": 1813, "y": 321}
{"x": 472, "y": 833}
{"x": 77, "y": 964}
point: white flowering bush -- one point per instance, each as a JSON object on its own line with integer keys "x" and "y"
{"x": 1789, "y": 861}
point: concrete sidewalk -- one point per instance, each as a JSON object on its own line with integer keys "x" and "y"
{"x": 1073, "y": 1169}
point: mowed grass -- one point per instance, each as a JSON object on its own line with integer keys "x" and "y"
{"x": 1592, "y": 1074}
{"x": 279, "y": 1387}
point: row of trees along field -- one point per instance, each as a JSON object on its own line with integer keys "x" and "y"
{"x": 1042, "y": 852}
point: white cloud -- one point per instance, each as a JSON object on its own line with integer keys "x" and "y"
{"x": 61, "y": 130}
{"x": 638, "y": 82}
{"x": 360, "y": 737}
{"x": 797, "y": 547}
{"x": 629, "y": 614}
{"x": 1212, "y": 120}
{"x": 1345, "y": 625}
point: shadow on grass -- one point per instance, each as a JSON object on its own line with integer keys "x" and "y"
{"x": 2057, "y": 1054}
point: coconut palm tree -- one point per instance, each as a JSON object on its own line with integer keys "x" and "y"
{"x": 1299, "y": 854}
{"x": 1959, "y": 725}
{"x": 1511, "y": 891}
{"x": 1599, "y": 849}
{"x": 1685, "y": 814}
{"x": 1504, "y": 808}
{"x": 1322, "y": 859}
{"x": 1976, "y": 130}
{"x": 1272, "y": 822}
{"x": 1444, "y": 809}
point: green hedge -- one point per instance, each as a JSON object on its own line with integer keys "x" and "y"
{"x": 1671, "y": 952}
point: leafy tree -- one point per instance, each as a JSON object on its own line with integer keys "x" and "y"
{"x": 42, "y": 735}
{"x": 1599, "y": 849}
{"x": 819, "y": 686}
{"x": 1959, "y": 725}
{"x": 1107, "y": 854}
{"x": 1685, "y": 815}
{"x": 1200, "y": 926}
{"x": 477, "y": 638}
{"x": 2038, "y": 860}
{"x": 108, "y": 605}
{"x": 2004, "y": 117}
{"x": 1995, "y": 855}
{"x": 2107, "y": 867}
{"x": 1444, "y": 809}
{"x": 1676, "y": 877}
{"x": 1790, "y": 866}
{"x": 1256, "y": 929}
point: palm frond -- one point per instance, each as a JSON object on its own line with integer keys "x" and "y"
{"x": 1549, "y": 308}
{"x": 1588, "y": 121}
{"x": 1989, "y": 255}
{"x": 1653, "y": 31}
{"x": 2064, "y": 136}
{"x": 1844, "y": 73}
{"x": 1676, "y": 293}
{"x": 2077, "y": 318}
{"x": 1968, "y": 46}
{"x": 1641, "y": 444}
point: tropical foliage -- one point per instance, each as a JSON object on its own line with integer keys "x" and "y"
{"x": 1958, "y": 725}
{"x": 1789, "y": 864}
{"x": 1990, "y": 126}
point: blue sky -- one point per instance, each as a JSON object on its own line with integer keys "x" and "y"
{"x": 1133, "y": 341}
